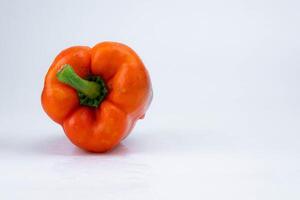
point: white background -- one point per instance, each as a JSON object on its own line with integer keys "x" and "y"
{"x": 224, "y": 122}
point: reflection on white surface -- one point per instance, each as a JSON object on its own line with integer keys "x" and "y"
{"x": 150, "y": 165}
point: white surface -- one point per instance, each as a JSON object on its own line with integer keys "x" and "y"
{"x": 224, "y": 123}
{"x": 154, "y": 165}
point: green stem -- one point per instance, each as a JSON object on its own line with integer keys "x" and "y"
{"x": 68, "y": 76}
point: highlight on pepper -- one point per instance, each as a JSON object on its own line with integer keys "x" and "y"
{"x": 97, "y": 94}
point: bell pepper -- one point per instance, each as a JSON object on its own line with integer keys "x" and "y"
{"x": 97, "y": 94}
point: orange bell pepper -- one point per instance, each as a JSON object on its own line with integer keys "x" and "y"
{"x": 97, "y": 94}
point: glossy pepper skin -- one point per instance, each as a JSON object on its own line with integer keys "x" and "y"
{"x": 99, "y": 129}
